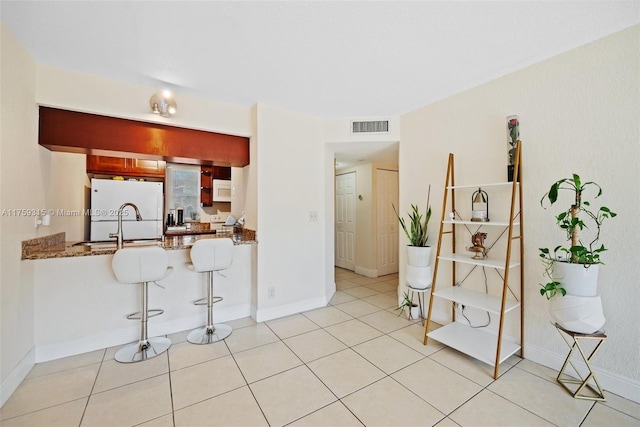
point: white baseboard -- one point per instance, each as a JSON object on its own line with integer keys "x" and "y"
{"x": 610, "y": 381}
{"x": 330, "y": 291}
{"x": 266, "y": 314}
{"x": 367, "y": 272}
{"x": 57, "y": 350}
{"x": 16, "y": 376}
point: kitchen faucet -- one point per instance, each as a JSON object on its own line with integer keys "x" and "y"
{"x": 118, "y": 234}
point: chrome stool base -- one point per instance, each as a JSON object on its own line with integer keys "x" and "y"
{"x": 141, "y": 350}
{"x": 209, "y": 334}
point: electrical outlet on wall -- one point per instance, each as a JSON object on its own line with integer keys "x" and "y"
{"x": 271, "y": 292}
{"x": 313, "y": 216}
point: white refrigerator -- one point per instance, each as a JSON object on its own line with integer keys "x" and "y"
{"x": 108, "y": 195}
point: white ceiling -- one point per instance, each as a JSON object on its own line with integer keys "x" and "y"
{"x": 343, "y": 59}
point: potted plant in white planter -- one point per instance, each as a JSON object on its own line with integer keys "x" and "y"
{"x": 413, "y": 311}
{"x": 418, "y": 252}
{"x": 573, "y": 270}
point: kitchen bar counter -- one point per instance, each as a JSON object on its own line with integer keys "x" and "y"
{"x": 55, "y": 246}
{"x": 81, "y": 306}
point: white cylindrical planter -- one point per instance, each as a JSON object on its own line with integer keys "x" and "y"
{"x": 577, "y": 279}
{"x": 576, "y": 313}
{"x": 419, "y": 256}
{"x": 414, "y": 313}
{"x": 419, "y": 277}
{"x": 419, "y": 271}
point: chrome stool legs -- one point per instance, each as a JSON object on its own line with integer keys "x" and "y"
{"x": 211, "y": 332}
{"x": 145, "y": 348}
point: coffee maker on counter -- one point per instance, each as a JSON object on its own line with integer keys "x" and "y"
{"x": 175, "y": 217}
{"x": 180, "y": 217}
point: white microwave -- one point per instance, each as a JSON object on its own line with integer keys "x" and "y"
{"x": 221, "y": 190}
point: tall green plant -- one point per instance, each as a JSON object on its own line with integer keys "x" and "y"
{"x": 572, "y": 224}
{"x": 417, "y": 230}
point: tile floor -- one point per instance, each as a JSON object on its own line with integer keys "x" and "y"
{"x": 352, "y": 363}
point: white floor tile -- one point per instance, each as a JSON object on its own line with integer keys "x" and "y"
{"x": 352, "y": 363}
{"x": 265, "y": 361}
{"x": 299, "y": 392}
{"x": 548, "y": 400}
{"x": 204, "y": 381}
{"x": 345, "y": 372}
{"x": 314, "y": 345}
{"x": 388, "y": 354}
{"x": 235, "y": 408}
{"x": 131, "y": 404}
{"x": 441, "y": 387}
{"x": 387, "y": 403}
{"x": 50, "y": 390}
{"x": 490, "y": 410}
{"x": 65, "y": 414}
{"x": 291, "y": 325}
{"x": 335, "y": 415}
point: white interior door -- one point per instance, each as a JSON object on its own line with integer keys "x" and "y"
{"x": 386, "y": 221}
{"x": 346, "y": 221}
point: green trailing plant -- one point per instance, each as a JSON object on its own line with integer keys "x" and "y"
{"x": 417, "y": 230}
{"x": 406, "y": 302}
{"x": 578, "y": 216}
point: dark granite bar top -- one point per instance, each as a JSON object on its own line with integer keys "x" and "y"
{"x": 55, "y": 245}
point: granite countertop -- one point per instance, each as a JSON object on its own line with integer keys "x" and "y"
{"x": 55, "y": 245}
{"x": 192, "y": 228}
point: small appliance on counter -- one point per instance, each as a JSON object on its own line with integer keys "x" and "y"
{"x": 180, "y": 217}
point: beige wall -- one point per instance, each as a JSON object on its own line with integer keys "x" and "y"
{"x": 578, "y": 113}
{"x": 93, "y": 94}
{"x": 291, "y": 184}
{"x": 23, "y": 164}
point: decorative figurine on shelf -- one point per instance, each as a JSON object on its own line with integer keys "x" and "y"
{"x": 477, "y": 240}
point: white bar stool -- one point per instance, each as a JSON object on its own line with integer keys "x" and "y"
{"x": 207, "y": 256}
{"x": 142, "y": 265}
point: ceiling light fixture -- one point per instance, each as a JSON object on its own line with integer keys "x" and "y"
{"x": 163, "y": 103}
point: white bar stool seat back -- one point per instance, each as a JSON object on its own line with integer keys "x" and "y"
{"x": 209, "y": 256}
{"x": 142, "y": 265}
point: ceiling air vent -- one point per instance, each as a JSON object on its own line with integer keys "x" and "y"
{"x": 372, "y": 126}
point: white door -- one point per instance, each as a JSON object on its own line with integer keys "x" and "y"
{"x": 346, "y": 221}
{"x": 386, "y": 221}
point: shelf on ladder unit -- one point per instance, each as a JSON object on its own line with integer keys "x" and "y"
{"x": 475, "y": 342}
{"x": 482, "y": 301}
{"x": 487, "y": 262}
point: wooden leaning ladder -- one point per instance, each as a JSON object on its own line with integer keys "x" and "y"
{"x": 516, "y": 189}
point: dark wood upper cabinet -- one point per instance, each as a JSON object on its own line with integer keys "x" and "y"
{"x": 124, "y": 166}
{"x": 207, "y": 175}
{"x": 75, "y": 132}
{"x": 206, "y": 185}
{"x": 220, "y": 172}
